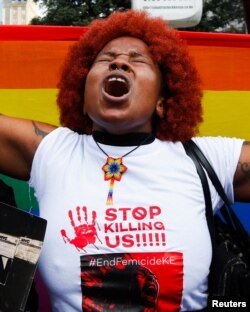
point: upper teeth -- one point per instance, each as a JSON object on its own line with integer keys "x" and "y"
{"x": 116, "y": 79}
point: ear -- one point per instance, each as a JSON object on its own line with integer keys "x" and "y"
{"x": 84, "y": 110}
{"x": 160, "y": 109}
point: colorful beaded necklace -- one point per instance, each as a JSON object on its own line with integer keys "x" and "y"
{"x": 114, "y": 167}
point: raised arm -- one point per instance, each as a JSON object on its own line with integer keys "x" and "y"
{"x": 242, "y": 175}
{"x": 19, "y": 139}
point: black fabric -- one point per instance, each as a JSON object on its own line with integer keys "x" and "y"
{"x": 7, "y": 196}
{"x": 130, "y": 139}
{"x": 230, "y": 267}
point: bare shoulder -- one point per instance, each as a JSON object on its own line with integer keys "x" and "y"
{"x": 42, "y": 129}
{"x": 242, "y": 175}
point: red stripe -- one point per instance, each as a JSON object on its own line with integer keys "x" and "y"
{"x": 36, "y": 32}
{"x": 61, "y": 33}
{"x": 216, "y": 39}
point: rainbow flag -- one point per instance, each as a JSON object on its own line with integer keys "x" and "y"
{"x": 31, "y": 58}
{"x": 223, "y": 61}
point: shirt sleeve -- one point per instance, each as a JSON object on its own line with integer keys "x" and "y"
{"x": 49, "y": 155}
{"x": 223, "y": 154}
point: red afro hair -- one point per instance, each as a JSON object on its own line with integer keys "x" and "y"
{"x": 181, "y": 82}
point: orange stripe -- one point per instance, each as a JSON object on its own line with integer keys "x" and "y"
{"x": 223, "y": 68}
{"x": 36, "y": 64}
{"x": 27, "y": 64}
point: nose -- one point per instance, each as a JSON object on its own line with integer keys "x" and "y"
{"x": 119, "y": 64}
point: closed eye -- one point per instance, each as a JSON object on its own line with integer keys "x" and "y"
{"x": 134, "y": 57}
{"x": 139, "y": 60}
{"x": 104, "y": 59}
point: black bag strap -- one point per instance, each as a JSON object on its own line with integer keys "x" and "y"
{"x": 208, "y": 203}
{"x": 206, "y": 190}
{"x": 227, "y": 211}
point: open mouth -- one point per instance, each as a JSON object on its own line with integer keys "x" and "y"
{"x": 116, "y": 86}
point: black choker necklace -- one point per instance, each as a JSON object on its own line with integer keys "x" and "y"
{"x": 114, "y": 167}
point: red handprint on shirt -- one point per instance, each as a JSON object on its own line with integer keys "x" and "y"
{"x": 85, "y": 233}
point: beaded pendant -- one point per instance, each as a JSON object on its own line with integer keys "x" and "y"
{"x": 113, "y": 170}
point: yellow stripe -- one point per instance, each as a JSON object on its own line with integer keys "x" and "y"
{"x": 35, "y": 104}
{"x": 226, "y": 113}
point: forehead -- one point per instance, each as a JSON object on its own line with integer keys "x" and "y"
{"x": 126, "y": 44}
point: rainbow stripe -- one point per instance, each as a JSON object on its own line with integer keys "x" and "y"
{"x": 31, "y": 58}
{"x": 110, "y": 193}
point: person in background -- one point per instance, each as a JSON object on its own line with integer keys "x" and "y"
{"x": 114, "y": 181}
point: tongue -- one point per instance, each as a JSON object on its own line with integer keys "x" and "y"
{"x": 116, "y": 88}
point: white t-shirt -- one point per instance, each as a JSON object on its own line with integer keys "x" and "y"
{"x": 148, "y": 251}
